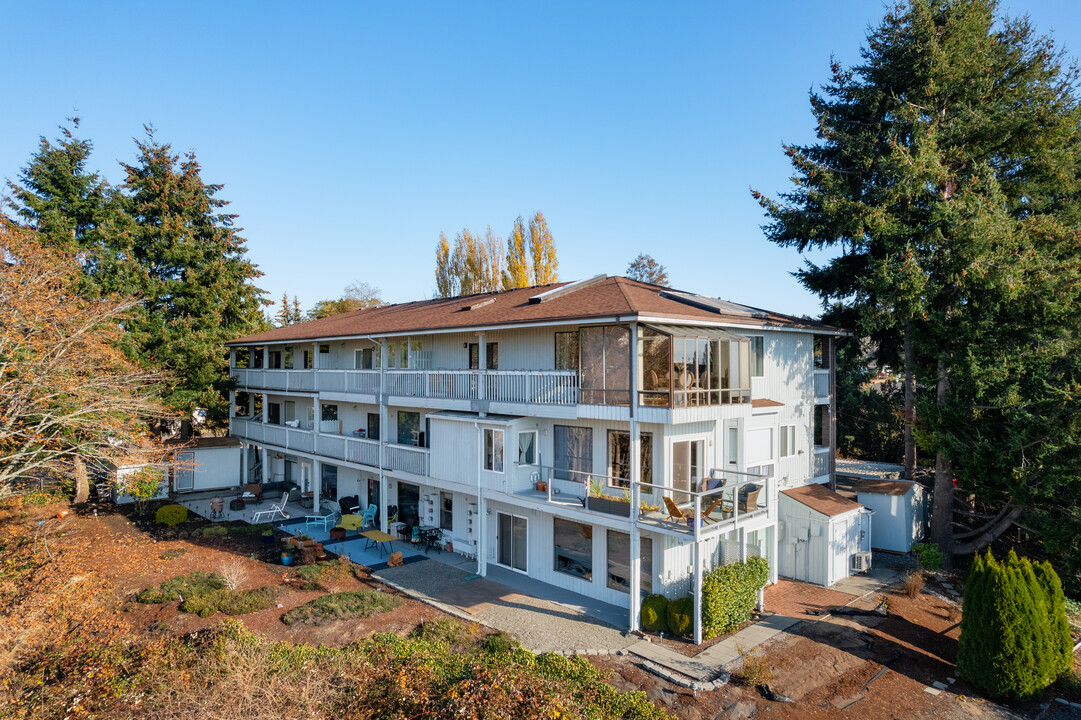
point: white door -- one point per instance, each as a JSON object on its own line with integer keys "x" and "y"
{"x": 184, "y": 472}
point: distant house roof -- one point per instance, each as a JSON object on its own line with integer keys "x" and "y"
{"x": 884, "y": 487}
{"x": 597, "y": 298}
{"x": 821, "y": 499}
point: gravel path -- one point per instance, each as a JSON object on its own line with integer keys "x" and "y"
{"x": 540, "y": 625}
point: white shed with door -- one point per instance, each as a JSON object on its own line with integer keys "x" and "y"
{"x": 902, "y": 512}
{"x": 206, "y": 463}
{"x": 820, "y": 532}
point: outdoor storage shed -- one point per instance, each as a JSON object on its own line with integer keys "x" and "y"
{"x": 206, "y": 463}
{"x": 821, "y": 531}
{"x": 901, "y": 510}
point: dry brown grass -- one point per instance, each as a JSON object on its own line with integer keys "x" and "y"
{"x": 754, "y": 671}
{"x": 913, "y": 584}
{"x": 233, "y": 573}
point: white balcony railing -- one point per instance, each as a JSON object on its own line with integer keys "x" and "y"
{"x": 822, "y": 383}
{"x": 351, "y": 449}
{"x": 821, "y": 462}
{"x": 545, "y": 387}
{"x": 407, "y": 458}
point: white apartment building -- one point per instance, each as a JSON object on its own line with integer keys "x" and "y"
{"x": 609, "y": 437}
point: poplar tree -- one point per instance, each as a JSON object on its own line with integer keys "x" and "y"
{"x": 519, "y": 267}
{"x": 542, "y": 251}
{"x": 195, "y": 278}
{"x": 946, "y": 177}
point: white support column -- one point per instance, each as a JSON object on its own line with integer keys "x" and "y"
{"x": 266, "y": 466}
{"x": 742, "y": 545}
{"x": 266, "y": 357}
{"x": 636, "y": 477}
{"x": 317, "y": 484}
{"x": 384, "y": 428}
{"x": 774, "y": 543}
{"x": 317, "y": 416}
{"x": 482, "y": 363}
{"x": 482, "y": 534}
{"x": 384, "y": 502}
{"x": 697, "y": 592}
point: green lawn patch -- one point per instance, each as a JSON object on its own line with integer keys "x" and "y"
{"x": 342, "y": 606}
{"x": 204, "y": 594}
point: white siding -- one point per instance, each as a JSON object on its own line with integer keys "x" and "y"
{"x": 216, "y": 467}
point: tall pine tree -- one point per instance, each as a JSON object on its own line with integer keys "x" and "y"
{"x": 195, "y": 278}
{"x": 946, "y": 174}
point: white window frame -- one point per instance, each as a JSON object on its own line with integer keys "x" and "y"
{"x": 502, "y": 447}
{"x": 761, "y": 339}
{"x": 786, "y": 445}
{"x": 536, "y": 448}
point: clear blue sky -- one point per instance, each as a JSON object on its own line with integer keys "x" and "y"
{"x": 348, "y": 135}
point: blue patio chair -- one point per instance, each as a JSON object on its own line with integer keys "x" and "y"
{"x": 328, "y": 518}
{"x": 369, "y": 515}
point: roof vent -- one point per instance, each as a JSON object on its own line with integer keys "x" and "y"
{"x": 566, "y": 289}
{"x": 716, "y": 305}
{"x": 478, "y": 304}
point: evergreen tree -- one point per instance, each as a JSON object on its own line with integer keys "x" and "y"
{"x": 947, "y": 174}
{"x": 1061, "y": 643}
{"x": 519, "y": 267}
{"x": 195, "y": 279}
{"x": 71, "y": 208}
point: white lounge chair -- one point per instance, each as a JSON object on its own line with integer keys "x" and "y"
{"x": 264, "y": 516}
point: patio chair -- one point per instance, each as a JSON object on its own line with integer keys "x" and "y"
{"x": 349, "y": 505}
{"x": 353, "y": 522}
{"x": 369, "y": 515}
{"x": 748, "y": 498}
{"x": 674, "y": 513}
{"x": 328, "y": 518}
{"x": 713, "y": 506}
{"x": 265, "y": 516}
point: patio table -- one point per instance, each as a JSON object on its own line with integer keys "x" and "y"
{"x": 378, "y": 539}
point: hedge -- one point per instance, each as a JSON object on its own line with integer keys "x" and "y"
{"x": 655, "y": 613}
{"x": 730, "y": 593}
{"x": 1014, "y": 639}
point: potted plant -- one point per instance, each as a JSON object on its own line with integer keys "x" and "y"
{"x": 597, "y": 501}
{"x": 268, "y": 536}
{"x": 287, "y": 556}
{"x": 298, "y": 540}
{"x": 320, "y": 553}
{"x": 542, "y": 486}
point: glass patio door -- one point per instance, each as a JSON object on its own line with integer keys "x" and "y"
{"x": 687, "y": 465}
{"x": 512, "y": 541}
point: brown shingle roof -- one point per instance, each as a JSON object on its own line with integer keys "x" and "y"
{"x": 765, "y": 403}
{"x": 613, "y": 296}
{"x": 822, "y": 499}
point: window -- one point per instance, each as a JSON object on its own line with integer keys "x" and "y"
{"x": 654, "y": 368}
{"x": 491, "y": 356}
{"x": 328, "y": 412}
{"x": 733, "y": 446}
{"x": 408, "y": 428}
{"x": 290, "y": 411}
{"x": 619, "y": 562}
{"x": 446, "y": 511}
{"x": 527, "y": 447}
{"x": 274, "y": 414}
{"x": 687, "y": 465}
{"x": 605, "y": 365}
{"x": 567, "y": 350}
{"x": 364, "y": 359}
{"x": 308, "y": 360}
{"x": 324, "y": 349}
{"x": 788, "y": 440}
{"x": 287, "y": 358}
{"x": 330, "y": 482}
{"x": 493, "y": 450}
{"x": 619, "y": 458}
{"x": 373, "y": 426}
{"x": 758, "y": 355}
{"x": 257, "y": 358}
{"x": 274, "y": 360}
{"x": 765, "y": 469}
{"x": 573, "y": 453}
{"x": 573, "y": 548}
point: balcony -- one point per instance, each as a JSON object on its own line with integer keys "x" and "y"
{"x": 540, "y": 387}
{"x": 724, "y": 501}
{"x": 821, "y": 462}
{"x": 822, "y": 385}
{"x": 363, "y": 451}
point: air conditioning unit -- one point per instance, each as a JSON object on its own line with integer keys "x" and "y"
{"x": 861, "y": 561}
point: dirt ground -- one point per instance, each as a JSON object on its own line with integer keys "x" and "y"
{"x": 842, "y": 667}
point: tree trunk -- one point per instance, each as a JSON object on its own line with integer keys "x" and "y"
{"x": 910, "y": 406}
{"x": 942, "y": 515}
{"x": 82, "y": 483}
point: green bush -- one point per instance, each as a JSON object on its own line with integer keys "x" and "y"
{"x": 681, "y": 616}
{"x": 655, "y": 613}
{"x": 214, "y": 531}
{"x": 445, "y": 630}
{"x": 171, "y": 515}
{"x": 204, "y": 594}
{"x": 250, "y": 529}
{"x": 327, "y": 570}
{"x": 342, "y": 606}
{"x": 500, "y": 642}
{"x": 1011, "y": 641}
{"x": 730, "y": 593}
{"x": 929, "y": 555}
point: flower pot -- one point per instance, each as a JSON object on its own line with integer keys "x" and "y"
{"x": 287, "y": 559}
{"x": 608, "y": 505}
{"x": 268, "y": 539}
{"x": 542, "y": 486}
{"x": 450, "y": 547}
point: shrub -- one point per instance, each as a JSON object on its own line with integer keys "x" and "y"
{"x": 754, "y": 670}
{"x": 730, "y": 593}
{"x": 260, "y": 529}
{"x": 929, "y": 555}
{"x": 500, "y": 642}
{"x": 1009, "y": 646}
{"x": 171, "y": 515}
{"x": 327, "y": 570}
{"x": 655, "y": 613}
{"x": 445, "y": 630}
{"x": 1061, "y": 641}
{"x": 681, "y": 616}
{"x": 214, "y": 531}
{"x": 204, "y": 594}
{"x": 341, "y": 606}
{"x": 182, "y": 586}
{"x": 913, "y": 584}
{"x": 233, "y": 573}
